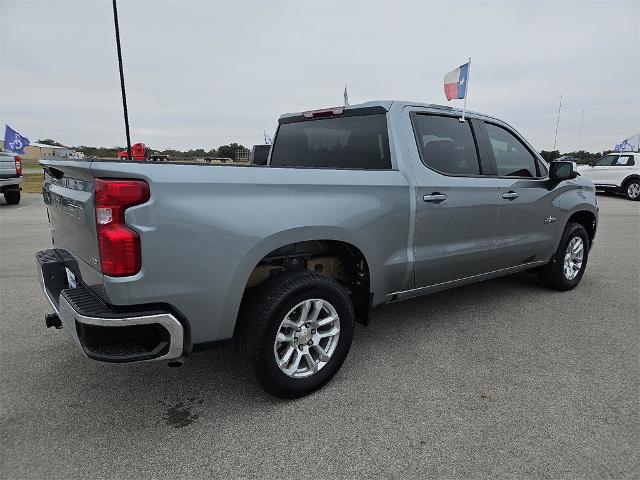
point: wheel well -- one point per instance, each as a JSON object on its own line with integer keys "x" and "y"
{"x": 340, "y": 260}
{"x": 628, "y": 179}
{"x": 587, "y": 220}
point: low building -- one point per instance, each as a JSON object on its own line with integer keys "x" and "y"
{"x": 35, "y": 151}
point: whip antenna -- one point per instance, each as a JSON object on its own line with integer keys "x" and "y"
{"x": 124, "y": 95}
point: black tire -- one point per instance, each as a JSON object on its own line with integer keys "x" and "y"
{"x": 626, "y": 189}
{"x": 12, "y": 197}
{"x": 259, "y": 323}
{"x": 552, "y": 275}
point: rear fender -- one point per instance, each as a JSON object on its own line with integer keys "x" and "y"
{"x": 273, "y": 242}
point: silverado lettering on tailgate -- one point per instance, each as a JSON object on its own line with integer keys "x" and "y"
{"x": 65, "y": 205}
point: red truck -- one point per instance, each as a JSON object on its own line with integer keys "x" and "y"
{"x": 140, "y": 152}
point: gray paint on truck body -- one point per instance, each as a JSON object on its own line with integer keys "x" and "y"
{"x": 206, "y": 227}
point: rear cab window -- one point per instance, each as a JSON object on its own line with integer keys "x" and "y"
{"x": 339, "y": 142}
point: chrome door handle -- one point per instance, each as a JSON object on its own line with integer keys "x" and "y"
{"x": 510, "y": 195}
{"x": 435, "y": 197}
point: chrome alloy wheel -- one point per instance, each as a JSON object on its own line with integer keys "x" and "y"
{"x": 633, "y": 190}
{"x": 573, "y": 258}
{"x": 307, "y": 337}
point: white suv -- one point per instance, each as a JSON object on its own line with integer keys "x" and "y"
{"x": 615, "y": 172}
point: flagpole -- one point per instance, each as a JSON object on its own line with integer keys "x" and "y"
{"x": 555, "y": 140}
{"x": 580, "y": 136}
{"x": 466, "y": 91}
{"x": 124, "y": 95}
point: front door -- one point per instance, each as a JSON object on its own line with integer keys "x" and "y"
{"x": 526, "y": 230}
{"x": 457, "y": 206}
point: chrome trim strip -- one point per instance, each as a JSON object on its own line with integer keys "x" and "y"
{"x": 415, "y": 292}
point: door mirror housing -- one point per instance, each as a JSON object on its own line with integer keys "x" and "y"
{"x": 562, "y": 170}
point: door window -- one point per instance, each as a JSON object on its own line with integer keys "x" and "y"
{"x": 446, "y": 145}
{"x": 606, "y": 161}
{"x": 512, "y": 157}
{"x": 625, "y": 161}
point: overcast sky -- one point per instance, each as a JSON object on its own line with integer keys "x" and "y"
{"x": 201, "y": 74}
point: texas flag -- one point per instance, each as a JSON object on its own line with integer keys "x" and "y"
{"x": 455, "y": 82}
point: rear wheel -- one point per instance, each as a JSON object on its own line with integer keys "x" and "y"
{"x": 632, "y": 189}
{"x": 567, "y": 266}
{"x": 12, "y": 197}
{"x": 297, "y": 333}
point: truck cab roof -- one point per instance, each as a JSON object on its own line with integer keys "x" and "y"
{"x": 387, "y": 104}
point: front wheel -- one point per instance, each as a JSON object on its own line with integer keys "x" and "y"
{"x": 632, "y": 189}
{"x": 297, "y": 333}
{"x": 568, "y": 264}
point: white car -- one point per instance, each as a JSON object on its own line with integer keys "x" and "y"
{"x": 615, "y": 172}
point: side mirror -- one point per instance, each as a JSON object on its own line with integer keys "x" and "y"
{"x": 591, "y": 164}
{"x": 562, "y": 170}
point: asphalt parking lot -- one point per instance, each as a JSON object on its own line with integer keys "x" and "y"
{"x": 498, "y": 379}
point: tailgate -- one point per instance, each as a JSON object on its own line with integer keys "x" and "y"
{"x": 68, "y": 193}
{"x": 7, "y": 166}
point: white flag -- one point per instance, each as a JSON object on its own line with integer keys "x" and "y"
{"x": 630, "y": 144}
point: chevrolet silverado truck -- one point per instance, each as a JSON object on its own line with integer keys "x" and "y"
{"x": 615, "y": 172}
{"x": 356, "y": 207}
{"x": 10, "y": 177}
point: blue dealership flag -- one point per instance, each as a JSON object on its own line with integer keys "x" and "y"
{"x": 13, "y": 141}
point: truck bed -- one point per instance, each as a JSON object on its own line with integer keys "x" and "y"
{"x": 205, "y": 228}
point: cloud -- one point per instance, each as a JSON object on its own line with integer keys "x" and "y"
{"x": 202, "y": 74}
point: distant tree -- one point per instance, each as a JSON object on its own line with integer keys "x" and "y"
{"x": 584, "y": 156}
{"x": 197, "y": 153}
{"x": 99, "y": 152}
{"x": 229, "y": 151}
{"x": 48, "y": 141}
{"x": 550, "y": 155}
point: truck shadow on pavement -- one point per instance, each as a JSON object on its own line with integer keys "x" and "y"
{"x": 213, "y": 385}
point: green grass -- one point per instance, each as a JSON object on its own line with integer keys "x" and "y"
{"x": 31, "y": 163}
{"x": 32, "y": 183}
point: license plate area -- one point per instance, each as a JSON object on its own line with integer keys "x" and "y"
{"x": 71, "y": 278}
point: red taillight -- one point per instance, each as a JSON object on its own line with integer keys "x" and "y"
{"x": 18, "y": 161}
{"x": 118, "y": 245}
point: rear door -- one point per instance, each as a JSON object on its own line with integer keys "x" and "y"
{"x": 526, "y": 232}
{"x": 457, "y": 206}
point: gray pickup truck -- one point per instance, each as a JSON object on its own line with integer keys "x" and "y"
{"x": 10, "y": 177}
{"x": 357, "y": 206}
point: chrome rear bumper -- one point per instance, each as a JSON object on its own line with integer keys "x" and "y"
{"x": 103, "y": 333}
